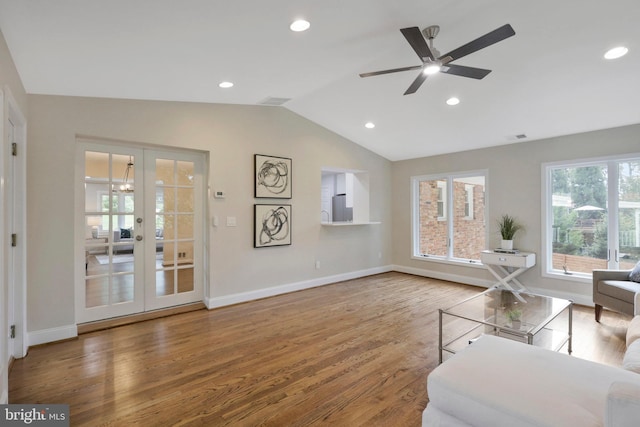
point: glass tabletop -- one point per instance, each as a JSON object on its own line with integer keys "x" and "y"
{"x": 521, "y": 311}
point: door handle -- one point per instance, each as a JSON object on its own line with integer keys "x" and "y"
{"x": 138, "y": 237}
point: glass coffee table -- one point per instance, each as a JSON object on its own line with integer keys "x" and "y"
{"x": 522, "y": 316}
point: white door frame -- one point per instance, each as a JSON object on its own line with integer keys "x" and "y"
{"x": 146, "y": 207}
{"x": 12, "y": 220}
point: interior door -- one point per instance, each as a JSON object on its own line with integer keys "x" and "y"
{"x": 141, "y": 231}
{"x": 113, "y": 258}
{"x": 173, "y": 231}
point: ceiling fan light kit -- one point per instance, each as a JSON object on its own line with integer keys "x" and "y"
{"x": 433, "y": 62}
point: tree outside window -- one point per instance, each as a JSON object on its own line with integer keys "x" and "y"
{"x": 582, "y": 237}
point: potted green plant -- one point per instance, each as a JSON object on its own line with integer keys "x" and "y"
{"x": 514, "y": 316}
{"x": 508, "y": 228}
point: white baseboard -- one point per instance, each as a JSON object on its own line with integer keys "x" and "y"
{"x": 577, "y": 299}
{"x": 291, "y": 287}
{"x": 71, "y": 331}
{"x": 443, "y": 276}
{"x": 54, "y": 334}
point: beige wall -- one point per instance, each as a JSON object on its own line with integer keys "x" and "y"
{"x": 514, "y": 186}
{"x": 231, "y": 134}
{"x": 9, "y": 77}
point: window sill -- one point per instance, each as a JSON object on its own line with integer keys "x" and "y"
{"x": 573, "y": 277}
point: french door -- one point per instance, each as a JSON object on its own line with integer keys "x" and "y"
{"x": 140, "y": 230}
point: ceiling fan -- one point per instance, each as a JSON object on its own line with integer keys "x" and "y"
{"x": 433, "y": 62}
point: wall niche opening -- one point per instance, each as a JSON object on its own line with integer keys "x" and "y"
{"x": 344, "y": 197}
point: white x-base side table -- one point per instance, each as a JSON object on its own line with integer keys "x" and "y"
{"x": 497, "y": 261}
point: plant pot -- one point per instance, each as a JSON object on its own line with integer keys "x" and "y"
{"x": 516, "y": 324}
{"x": 506, "y": 244}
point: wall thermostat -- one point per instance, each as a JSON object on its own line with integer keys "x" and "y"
{"x": 218, "y": 194}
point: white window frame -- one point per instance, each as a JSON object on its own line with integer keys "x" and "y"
{"x": 442, "y": 199}
{"x": 468, "y": 189}
{"x": 547, "y": 210}
{"x": 448, "y": 201}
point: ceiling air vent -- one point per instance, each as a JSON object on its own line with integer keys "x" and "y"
{"x": 274, "y": 101}
{"x": 518, "y": 137}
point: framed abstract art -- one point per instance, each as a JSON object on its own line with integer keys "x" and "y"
{"x": 272, "y": 177}
{"x": 271, "y": 225}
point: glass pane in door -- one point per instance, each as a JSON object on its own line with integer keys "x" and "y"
{"x": 175, "y": 235}
{"x": 109, "y": 206}
{"x": 629, "y": 214}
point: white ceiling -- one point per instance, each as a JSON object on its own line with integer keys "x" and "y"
{"x": 550, "y": 79}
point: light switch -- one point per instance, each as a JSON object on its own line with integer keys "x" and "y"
{"x": 214, "y": 221}
{"x": 231, "y": 221}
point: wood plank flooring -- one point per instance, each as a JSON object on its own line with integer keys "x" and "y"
{"x": 355, "y": 353}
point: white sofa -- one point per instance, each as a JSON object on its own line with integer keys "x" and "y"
{"x": 498, "y": 382}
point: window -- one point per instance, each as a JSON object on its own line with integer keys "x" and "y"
{"x": 468, "y": 203}
{"x": 442, "y": 197}
{"x": 449, "y": 216}
{"x": 593, "y": 216}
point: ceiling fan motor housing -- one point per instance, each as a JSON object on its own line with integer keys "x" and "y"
{"x": 431, "y": 32}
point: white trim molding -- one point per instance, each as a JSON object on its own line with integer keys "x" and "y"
{"x": 54, "y": 334}
{"x": 226, "y": 300}
{"x": 457, "y": 278}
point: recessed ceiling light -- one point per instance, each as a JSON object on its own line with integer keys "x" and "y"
{"x": 299, "y": 25}
{"x": 225, "y": 85}
{"x": 616, "y": 52}
{"x": 453, "y": 101}
{"x": 369, "y": 125}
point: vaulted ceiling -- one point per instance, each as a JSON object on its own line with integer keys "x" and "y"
{"x": 549, "y": 79}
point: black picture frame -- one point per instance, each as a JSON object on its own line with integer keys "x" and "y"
{"x": 271, "y": 225}
{"x": 272, "y": 177}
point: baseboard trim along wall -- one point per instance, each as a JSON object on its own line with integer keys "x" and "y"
{"x": 216, "y": 302}
{"x": 443, "y": 276}
{"x": 71, "y": 331}
{"x": 576, "y": 298}
{"x": 50, "y": 335}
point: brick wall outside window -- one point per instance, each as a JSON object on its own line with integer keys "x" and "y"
{"x": 469, "y": 233}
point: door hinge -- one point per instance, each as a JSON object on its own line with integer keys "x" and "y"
{"x": 14, "y": 240}
{"x": 12, "y": 331}
{"x": 14, "y": 148}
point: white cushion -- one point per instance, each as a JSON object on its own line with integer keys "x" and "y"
{"x": 631, "y": 361}
{"x": 433, "y": 417}
{"x": 623, "y": 405}
{"x": 633, "y": 331}
{"x": 499, "y": 382}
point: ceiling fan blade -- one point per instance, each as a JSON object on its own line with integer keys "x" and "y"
{"x": 488, "y": 39}
{"x": 418, "y": 43}
{"x": 393, "y": 70}
{"x": 416, "y": 84}
{"x": 464, "y": 71}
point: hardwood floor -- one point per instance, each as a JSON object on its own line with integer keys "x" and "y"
{"x": 349, "y": 354}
